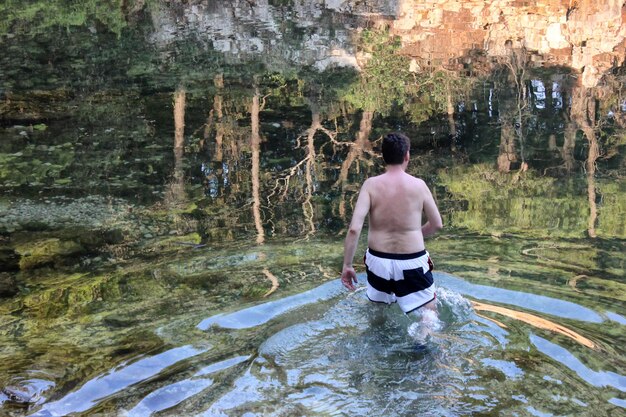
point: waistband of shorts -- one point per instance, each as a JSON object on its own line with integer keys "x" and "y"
{"x": 398, "y": 256}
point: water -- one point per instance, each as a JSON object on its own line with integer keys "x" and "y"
{"x": 344, "y": 356}
{"x": 176, "y": 181}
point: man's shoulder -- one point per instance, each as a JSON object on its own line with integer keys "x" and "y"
{"x": 373, "y": 180}
{"x": 416, "y": 180}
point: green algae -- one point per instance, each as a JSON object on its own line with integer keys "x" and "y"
{"x": 178, "y": 242}
{"x": 42, "y": 252}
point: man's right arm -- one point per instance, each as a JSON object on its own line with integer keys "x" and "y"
{"x": 361, "y": 209}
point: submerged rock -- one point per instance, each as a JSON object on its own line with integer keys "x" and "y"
{"x": 26, "y": 392}
{"x": 119, "y": 321}
{"x": 46, "y": 251}
{"x": 9, "y": 260}
{"x": 8, "y": 285}
{"x": 18, "y": 395}
{"x": 79, "y": 216}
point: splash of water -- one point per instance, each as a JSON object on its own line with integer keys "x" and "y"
{"x": 451, "y": 307}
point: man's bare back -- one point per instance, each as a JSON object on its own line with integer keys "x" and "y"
{"x": 397, "y": 200}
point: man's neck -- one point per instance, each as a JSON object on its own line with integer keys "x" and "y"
{"x": 395, "y": 169}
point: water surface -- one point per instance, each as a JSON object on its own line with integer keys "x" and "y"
{"x": 176, "y": 183}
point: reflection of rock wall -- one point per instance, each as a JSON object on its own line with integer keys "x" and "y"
{"x": 587, "y": 35}
{"x": 304, "y": 33}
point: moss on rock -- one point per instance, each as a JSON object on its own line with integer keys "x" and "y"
{"x": 9, "y": 259}
{"x": 46, "y": 251}
{"x": 8, "y": 285}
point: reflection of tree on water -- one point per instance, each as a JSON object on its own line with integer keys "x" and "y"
{"x": 360, "y": 146}
{"x": 216, "y": 114}
{"x": 512, "y": 112}
{"x": 531, "y": 104}
{"x": 222, "y": 140}
{"x": 450, "y": 111}
{"x": 175, "y": 194}
{"x": 584, "y": 113}
{"x": 507, "y": 154}
{"x": 255, "y": 142}
{"x": 533, "y": 320}
{"x": 282, "y": 184}
{"x": 569, "y": 142}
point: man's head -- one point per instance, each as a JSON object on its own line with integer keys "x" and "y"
{"x": 395, "y": 146}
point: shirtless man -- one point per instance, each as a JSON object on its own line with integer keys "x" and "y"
{"x": 397, "y": 264}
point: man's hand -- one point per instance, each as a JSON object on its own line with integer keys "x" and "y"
{"x": 348, "y": 278}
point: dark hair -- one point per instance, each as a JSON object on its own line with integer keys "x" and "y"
{"x": 395, "y": 146}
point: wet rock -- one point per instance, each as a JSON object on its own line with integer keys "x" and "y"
{"x": 118, "y": 321}
{"x": 88, "y": 216}
{"x": 113, "y": 236}
{"x": 190, "y": 241}
{"x": 26, "y": 392}
{"x": 9, "y": 260}
{"x": 92, "y": 239}
{"x": 8, "y": 285}
{"x": 35, "y": 226}
{"x": 43, "y": 252}
{"x": 18, "y": 395}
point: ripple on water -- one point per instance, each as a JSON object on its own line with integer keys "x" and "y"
{"x": 95, "y": 390}
{"x": 175, "y": 393}
{"x": 359, "y": 359}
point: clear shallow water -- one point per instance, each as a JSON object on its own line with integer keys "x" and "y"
{"x": 323, "y": 352}
{"x": 175, "y": 183}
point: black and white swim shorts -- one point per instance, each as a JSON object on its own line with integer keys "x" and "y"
{"x": 403, "y": 278}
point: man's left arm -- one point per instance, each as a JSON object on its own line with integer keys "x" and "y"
{"x": 434, "y": 222}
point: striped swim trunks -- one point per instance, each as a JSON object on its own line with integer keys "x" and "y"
{"x": 402, "y": 278}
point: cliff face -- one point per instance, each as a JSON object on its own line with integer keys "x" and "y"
{"x": 586, "y": 35}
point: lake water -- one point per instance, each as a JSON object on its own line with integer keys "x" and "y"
{"x": 176, "y": 182}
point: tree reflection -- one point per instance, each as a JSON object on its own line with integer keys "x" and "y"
{"x": 306, "y": 166}
{"x": 569, "y": 142}
{"x": 307, "y": 205}
{"x": 216, "y": 117}
{"x": 255, "y": 141}
{"x": 584, "y": 113}
{"x": 512, "y": 112}
{"x": 360, "y": 146}
{"x": 450, "y": 111}
{"x": 506, "y": 154}
{"x": 175, "y": 193}
{"x": 302, "y": 164}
